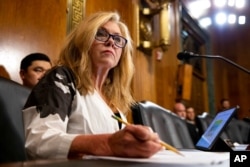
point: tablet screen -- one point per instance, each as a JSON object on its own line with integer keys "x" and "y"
{"x": 215, "y": 129}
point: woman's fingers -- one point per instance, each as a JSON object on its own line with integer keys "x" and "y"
{"x": 135, "y": 141}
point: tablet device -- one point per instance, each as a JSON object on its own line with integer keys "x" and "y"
{"x": 214, "y": 130}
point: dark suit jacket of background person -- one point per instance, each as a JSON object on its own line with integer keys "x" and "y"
{"x": 193, "y": 131}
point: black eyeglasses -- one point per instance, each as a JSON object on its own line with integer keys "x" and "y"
{"x": 103, "y": 35}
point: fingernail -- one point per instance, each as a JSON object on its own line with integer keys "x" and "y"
{"x": 150, "y": 129}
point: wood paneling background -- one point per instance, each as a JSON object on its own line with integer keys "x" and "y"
{"x": 232, "y": 83}
{"x": 28, "y": 26}
{"x": 40, "y": 26}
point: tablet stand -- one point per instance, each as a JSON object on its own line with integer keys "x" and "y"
{"x": 222, "y": 145}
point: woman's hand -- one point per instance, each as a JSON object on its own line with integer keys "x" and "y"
{"x": 134, "y": 141}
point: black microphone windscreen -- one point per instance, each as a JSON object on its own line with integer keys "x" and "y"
{"x": 186, "y": 55}
{"x": 182, "y": 55}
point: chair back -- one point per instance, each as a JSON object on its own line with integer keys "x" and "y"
{"x": 238, "y": 131}
{"x": 12, "y": 99}
{"x": 202, "y": 121}
{"x": 170, "y": 128}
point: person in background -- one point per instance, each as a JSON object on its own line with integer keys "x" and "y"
{"x": 190, "y": 115}
{"x": 69, "y": 113}
{"x": 180, "y": 110}
{"x": 191, "y": 123}
{"x": 33, "y": 67}
{"x": 225, "y": 104}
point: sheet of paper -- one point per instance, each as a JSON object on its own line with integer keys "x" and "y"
{"x": 169, "y": 157}
{"x": 240, "y": 147}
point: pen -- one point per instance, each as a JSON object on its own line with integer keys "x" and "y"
{"x": 167, "y": 146}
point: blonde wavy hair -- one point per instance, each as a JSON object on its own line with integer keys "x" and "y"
{"x": 74, "y": 54}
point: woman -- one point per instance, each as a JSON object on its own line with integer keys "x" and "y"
{"x": 68, "y": 113}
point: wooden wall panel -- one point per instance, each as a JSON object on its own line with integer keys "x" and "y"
{"x": 30, "y": 26}
{"x": 33, "y": 25}
{"x": 185, "y": 74}
{"x": 167, "y": 68}
{"x": 40, "y": 26}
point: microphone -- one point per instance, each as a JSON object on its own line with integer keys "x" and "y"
{"x": 187, "y": 55}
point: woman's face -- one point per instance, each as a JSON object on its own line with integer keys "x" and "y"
{"x": 106, "y": 55}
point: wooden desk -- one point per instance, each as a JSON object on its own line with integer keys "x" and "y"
{"x": 191, "y": 158}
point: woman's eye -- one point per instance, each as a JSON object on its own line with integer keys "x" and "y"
{"x": 101, "y": 33}
{"x": 117, "y": 39}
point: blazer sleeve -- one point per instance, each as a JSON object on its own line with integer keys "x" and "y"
{"x": 46, "y": 113}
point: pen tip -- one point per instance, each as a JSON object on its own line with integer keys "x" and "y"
{"x": 181, "y": 154}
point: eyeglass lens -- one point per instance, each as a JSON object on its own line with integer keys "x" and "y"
{"x": 103, "y": 35}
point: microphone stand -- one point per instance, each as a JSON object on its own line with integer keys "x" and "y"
{"x": 226, "y": 60}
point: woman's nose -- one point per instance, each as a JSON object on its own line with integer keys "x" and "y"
{"x": 110, "y": 42}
